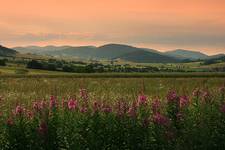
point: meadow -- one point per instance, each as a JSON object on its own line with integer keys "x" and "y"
{"x": 69, "y": 112}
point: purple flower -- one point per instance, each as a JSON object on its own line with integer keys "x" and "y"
{"x": 142, "y": 100}
{"x": 43, "y": 128}
{"x": 53, "y": 103}
{"x": 132, "y": 112}
{"x": 196, "y": 92}
{"x": 172, "y": 97}
{"x": 84, "y": 94}
{"x": 222, "y": 109}
{"x": 184, "y": 101}
{"x": 9, "y": 122}
{"x": 72, "y": 104}
{"x": 160, "y": 119}
{"x": 83, "y": 109}
{"x": 106, "y": 109}
{"x": 156, "y": 105}
{"x": 96, "y": 106}
{"x": 19, "y": 110}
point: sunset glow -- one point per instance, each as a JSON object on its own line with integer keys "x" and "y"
{"x": 159, "y": 24}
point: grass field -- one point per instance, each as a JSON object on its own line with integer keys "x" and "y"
{"x": 37, "y": 87}
{"x": 112, "y": 111}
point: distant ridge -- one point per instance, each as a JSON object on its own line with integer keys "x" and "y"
{"x": 186, "y": 54}
{"x": 118, "y": 51}
{"x": 4, "y": 51}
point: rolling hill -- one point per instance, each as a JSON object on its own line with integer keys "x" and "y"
{"x": 186, "y": 54}
{"x": 118, "y": 51}
{"x": 4, "y": 51}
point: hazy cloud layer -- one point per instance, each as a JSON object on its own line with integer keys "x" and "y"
{"x": 156, "y": 24}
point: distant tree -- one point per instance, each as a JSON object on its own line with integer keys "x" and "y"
{"x": 68, "y": 68}
{"x": 34, "y": 64}
{"x": 2, "y": 62}
{"x": 51, "y": 66}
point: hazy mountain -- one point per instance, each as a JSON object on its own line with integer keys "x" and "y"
{"x": 117, "y": 51}
{"x": 39, "y": 50}
{"x": 7, "y": 51}
{"x": 186, "y": 54}
{"x": 142, "y": 56}
{"x": 217, "y": 56}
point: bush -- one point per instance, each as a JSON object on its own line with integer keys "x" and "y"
{"x": 2, "y": 62}
{"x": 34, "y": 65}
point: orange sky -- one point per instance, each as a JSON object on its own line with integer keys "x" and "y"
{"x": 159, "y": 24}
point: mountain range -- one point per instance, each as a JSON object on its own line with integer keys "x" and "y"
{"x": 118, "y": 52}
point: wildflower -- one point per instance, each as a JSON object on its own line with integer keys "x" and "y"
{"x": 83, "y": 94}
{"x": 184, "y": 100}
{"x": 107, "y": 109}
{"x": 172, "y": 97}
{"x": 160, "y": 119}
{"x": 9, "y": 122}
{"x": 121, "y": 108}
{"x": 142, "y": 100}
{"x": 42, "y": 104}
{"x": 156, "y": 105}
{"x": 132, "y": 112}
{"x": 96, "y": 106}
{"x": 19, "y": 110}
{"x": 64, "y": 103}
{"x": 36, "y": 106}
{"x": 53, "y": 102}
{"x": 83, "y": 109}
{"x": 222, "y": 108}
{"x": 196, "y": 92}
{"x": 30, "y": 114}
{"x": 43, "y": 128}
{"x": 72, "y": 104}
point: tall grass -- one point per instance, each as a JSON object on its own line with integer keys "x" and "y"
{"x": 194, "y": 121}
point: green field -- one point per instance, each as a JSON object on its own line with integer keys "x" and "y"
{"x": 23, "y": 89}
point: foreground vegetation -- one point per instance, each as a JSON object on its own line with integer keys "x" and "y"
{"x": 174, "y": 122}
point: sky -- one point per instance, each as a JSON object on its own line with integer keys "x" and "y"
{"x": 158, "y": 24}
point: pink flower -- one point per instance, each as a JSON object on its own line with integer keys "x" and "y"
{"x": 156, "y": 105}
{"x": 42, "y": 104}
{"x": 184, "y": 101}
{"x": 72, "y": 104}
{"x": 121, "y": 108}
{"x": 96, "y": 106}
{"x": 19, "y": 110}
{"x": 53, "y": 103}
{"x": 43, "y": 128}
{"x": 223, "y": 108}
{"x": 107, "y": 109}
{"x": 9, "y": 122}
{"x": 160, "y": 119}
{"x": 36, "y": 106}
{"x": 84, "y": 94}
{"x": 64, "y": 103}
{"x": 132, "y": 112}
{"x": 196, "y": 92}
{"x": 142, "y": 100}
{"x": 172, "y": 97}
{"x": 83, "y": 109}
{"x": 30, "y": 114}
